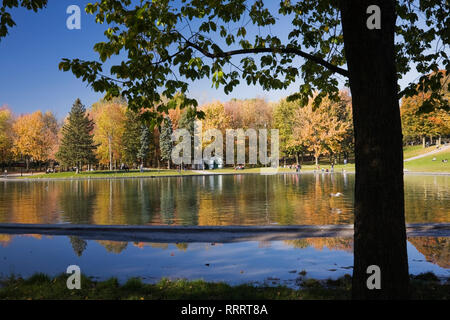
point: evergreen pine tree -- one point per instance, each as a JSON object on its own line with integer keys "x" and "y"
{"x": 77, "y": 144}
{"x": 132, "y": 137}
{"x": 165, "y": 141}
{"x": 187, "y": 121}
{"x": 144, "y": 144}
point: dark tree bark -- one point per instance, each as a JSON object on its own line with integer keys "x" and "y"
{"x": 380, "y": 235}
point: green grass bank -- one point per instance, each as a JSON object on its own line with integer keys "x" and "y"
{"x": 434, "y": 163}
{"x": 40, "y": 286}
{"x": 427, "y": 164}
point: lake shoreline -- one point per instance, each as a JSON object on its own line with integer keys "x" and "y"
{"x": 207, "y": 234}
{"x": 192, "y": 173}
{"x": 41, "y": 286}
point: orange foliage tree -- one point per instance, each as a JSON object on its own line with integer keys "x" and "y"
{"x": 6, "y": 138}
{"x": 320, "y": 129}
{"x": 35, "y": 136}
{"x": 109, "y": 117}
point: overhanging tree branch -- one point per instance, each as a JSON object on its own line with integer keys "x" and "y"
{"x": 295, "y": 51}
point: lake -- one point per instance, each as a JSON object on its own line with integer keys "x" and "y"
{"x": 287, "y": 199}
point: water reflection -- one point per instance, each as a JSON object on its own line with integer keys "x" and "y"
{"x": 276, "y": 262}
{"x": 210, "y": 200}
{"x": 435, "y": 249}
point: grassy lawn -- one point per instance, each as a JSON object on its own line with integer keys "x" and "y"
{"x": 110, "y": 174}
{"x": 426, "y": 164}
{"x": 350, "y": 167}
{"x": 305, "y": 167}
{"x": 165, "y": 172}
{"x": 412, "y": 151}
{"x": 40, "y": 286}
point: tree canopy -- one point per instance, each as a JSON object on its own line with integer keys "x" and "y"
{"x": 6, "y": 20}
{"x": 168, "y": 46}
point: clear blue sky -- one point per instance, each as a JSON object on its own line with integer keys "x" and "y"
{"x": 30, "y": 54}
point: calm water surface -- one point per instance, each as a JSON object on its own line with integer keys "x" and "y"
{"x": 271, "y": 263}
{"x": 210, "y": 200}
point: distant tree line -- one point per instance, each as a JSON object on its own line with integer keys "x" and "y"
{"x": 109, "y": 134}
{"x": 422, "y": 123}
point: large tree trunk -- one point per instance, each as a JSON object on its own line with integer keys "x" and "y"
{"x": 380, "y": 235}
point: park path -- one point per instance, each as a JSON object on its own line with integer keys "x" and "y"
{"x": 18, "y": 175}
{"x": 442, "y": 148}
{"x": 204, "y": 172}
